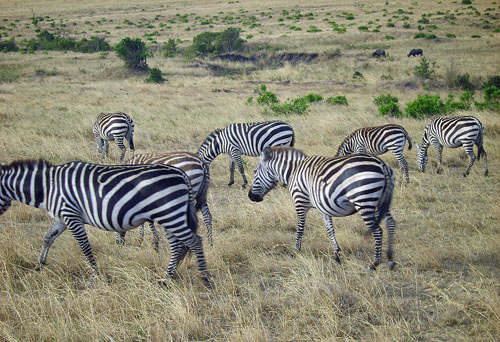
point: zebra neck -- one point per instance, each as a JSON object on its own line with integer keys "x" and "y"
{"x": 285, "y": 170}
{"x": 28, "y": 184}
{"x": 210, "y": 150}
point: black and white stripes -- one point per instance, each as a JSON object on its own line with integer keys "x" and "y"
{"x": 198, "y": 174}
{"x": 113, "y": 126}
{"x": 335, "y": 186}
{"x": 110, "y": 197}
{"x": 245, "y": 139}
{"x": 453, "y": 132}
{"x": 378, "y": 140}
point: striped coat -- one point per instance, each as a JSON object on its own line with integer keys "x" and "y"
{"x": 113, "y": 126}
{"x": 248, "y": 139}
{"x": 335, "y": 186}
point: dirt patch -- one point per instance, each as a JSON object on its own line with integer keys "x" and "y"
{"x": 271, "y": 60}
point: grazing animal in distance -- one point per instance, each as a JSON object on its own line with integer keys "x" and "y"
{"x": 416, "y": 52}
{"x": 453, "y": 132}
{"x": 198, "y": 174}
{"x": 111, "y": 197}
{"x": 378, "y": 53}
{"x": 335, "y": 186}
{"x": 248, "y": 139}
{"x": 113, "y": 126}
{"x": 378, "y": 140}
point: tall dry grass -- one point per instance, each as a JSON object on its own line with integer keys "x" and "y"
{"x": 445, "y": 286}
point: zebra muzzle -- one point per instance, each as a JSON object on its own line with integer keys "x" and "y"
{"x": 253, "y": 197}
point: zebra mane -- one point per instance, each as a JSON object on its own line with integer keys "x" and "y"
{"x": 210, "y": 137}
{"x": 27, "y": 162}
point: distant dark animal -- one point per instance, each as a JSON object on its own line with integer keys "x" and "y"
{"x": 379, "y": 53}
{"x": 453, "y": 132}
{"x": 113, "y": 126}
{"x": 337, "y": 187}
{"x": 378, "y": 140}
{"x": 416, "y": 52}
{"x": 248, "y": 139}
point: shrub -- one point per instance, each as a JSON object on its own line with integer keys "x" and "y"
{"x": 419, "y": 35}
{"x": 155, "y": 76}
{"x": 265, "y": 97}
{"x": 217, "y": 42}
{"x": 94, "y": 44}
{"x": 388, "y": 105}
{"x": 463, "y": 81}
{"x": 313, "y": 98}
{"x": 406, "y": 25}
{"x": 425, "y": 105}
{"x": 295, "y": 106}
{"x": 492, "y": 81}
{"x": 450, "y": 35}
{"x": 357, "y": 75}
{"x": 491, "y": 99}
{"x": 466, "y": 2}
{"x": 169, "y": 48}
{"x": 337, "y": 100}
{"x": 425, "y": 69}
{"x": 132, "y": 52}
{"x": 8, "y": 45}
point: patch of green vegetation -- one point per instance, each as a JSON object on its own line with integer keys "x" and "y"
{"x": 425, "y": 69}
{"x": 155, "y": 76}
{"x": 337, "y": 100}
{"x": 388, "y": 105}
{"x": 217, "y": 42}
{"x": 133, "y": 52}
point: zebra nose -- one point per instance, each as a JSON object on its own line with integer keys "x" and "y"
{"x": 253, "y": 197}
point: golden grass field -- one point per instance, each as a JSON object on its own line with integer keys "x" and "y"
{"x": 446, "y": 285}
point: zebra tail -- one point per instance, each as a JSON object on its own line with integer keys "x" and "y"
{"x": 409, "y": 140}
{"x": 292, "y": 143}
{"x": 201, "y": 196}
{"x": 192, "y": 218}
{"x": 386, "y": 198}
{"x": 130, "y": 138}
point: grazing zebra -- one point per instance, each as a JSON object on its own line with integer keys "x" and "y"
{"x": 110, "y": 197}
{"x": 113, "y": 126}
{"x": 335, "y": 186}
{"x": 199, "y": 175}
{"x": 378, "y": 140}
{"x": 453, "y": 132}
{"x": 245, "y": 138}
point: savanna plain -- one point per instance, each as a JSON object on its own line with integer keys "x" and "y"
{"x": 446, "y": 284}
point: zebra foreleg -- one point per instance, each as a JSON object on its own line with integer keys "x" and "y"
{"x": 57, "y": 229}
{"x": 439, "y": 150}
{"x": 331, "y": 234}
{"x": 75, "y": 226}
{"x": 236, "y": 156}
{"x": 231, "y": 171}
{"x": 120, "y": 238}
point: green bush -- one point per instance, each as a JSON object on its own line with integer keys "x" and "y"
{"x": 388, "y": 105}
{"x": 48, "y": 41}
{"x": 419, "y": 35}
{"x": 492, "y": 81}
{"x": 313, "y": 98}
{"x": 337, "y": 100}
{"x": 429, "y": 105}
{"x": 94, "y": 44}
{"x": 132, "y": 52}
{"x": 170, "y": 48}
{"x": 425, "y": 69}
{"x": 265, "y": 97}
{"x": 8, "y": 45}
{"x": 463, "y": 81}
{"x": 466, "y": 2}
{"x": 291, "y": 106}
{"x": 491, "y": 99}
{"x": 155, "y": 76}
{"x": 217, "y": 42}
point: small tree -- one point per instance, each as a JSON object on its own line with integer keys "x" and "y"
{"x": 132, "y": 52}
{"x": 425, "y": 69}
{"x": 155, "y": 76}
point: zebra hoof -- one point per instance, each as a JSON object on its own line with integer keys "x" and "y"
{"x": 207, "y": 283}
{"x": 337, "y": 259}
{"x": 371, "y": 268}
{"x": 391, "y": 265}
{"x": 291, "y": 256}
{"x": 464, "y": 175}
{"x": 243, "y": 186}
{"x": 486, "y": 173}
{"x": 230, "y": 183}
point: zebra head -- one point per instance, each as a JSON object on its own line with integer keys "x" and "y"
{"x": 5, "y": 200}
{"x": 264, "y": 179}
{"x": 422, "y": 157}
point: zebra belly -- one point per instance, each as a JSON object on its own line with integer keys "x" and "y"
{"x": 336, "y": 207}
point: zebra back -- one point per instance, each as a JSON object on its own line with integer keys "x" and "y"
{"x": 191, "y": 164}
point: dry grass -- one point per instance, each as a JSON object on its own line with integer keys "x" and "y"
{"x": 446, "y": 284}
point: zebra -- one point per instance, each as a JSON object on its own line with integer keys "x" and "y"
{"x": 110, "y": 197}
{"x": 245, "y": 138}
{"x": 335, "y": 186}
{"x": 198, "y": 174}
{"x": 378, "y": 140}
{"x": 453, "y": 132}
{"x": 113, "y": 126}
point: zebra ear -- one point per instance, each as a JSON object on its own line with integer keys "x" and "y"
{"x": 267, "y": 154}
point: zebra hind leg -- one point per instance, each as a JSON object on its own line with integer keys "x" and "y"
{"x": 331, "y": 234}
{"x": 156, "y": 236}
{"x": 391, "y": 226}
{"x": 207, "y": 219}
{"x": 472, "y": 158}
{"x": 231, "y": 171}
{"x": 369, "y": 218}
